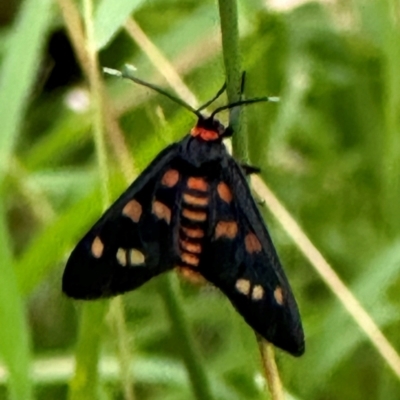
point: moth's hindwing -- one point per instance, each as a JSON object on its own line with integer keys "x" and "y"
{"x": 132, "y": 242}
{"x": 240, "y": 259}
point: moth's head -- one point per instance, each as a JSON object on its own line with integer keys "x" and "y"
{"x": 210, "y": 129}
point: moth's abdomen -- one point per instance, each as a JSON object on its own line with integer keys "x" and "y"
{"x": 193, "y": 221}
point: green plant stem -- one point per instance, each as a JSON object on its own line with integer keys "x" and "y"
{"x": 230, "y": 44}
{"x": 96, "y": 90}
{"x": 85, "y": 382}
{"x": 14, "y": 336}
{"x": 391, "y": 156}
{"x": 119, "y": 326}
{"x": 169, "y": 289}
{"x": 228, "y": 12}
{"x": 270, "y": 368}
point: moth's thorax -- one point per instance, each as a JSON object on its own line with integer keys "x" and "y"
{"x": 199, "y": 153}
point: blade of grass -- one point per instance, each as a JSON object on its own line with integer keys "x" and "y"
{"x": 117, "y": 317}
{"x": 85, "y": 383}
{"x": 18, "y": 74}
{"x": 157, "y": 58}
{"x": 169, "y": 289}
{"x": 14, "y": 336}
{"x": 381, "y": 19}
{"x": 110, "y": 17}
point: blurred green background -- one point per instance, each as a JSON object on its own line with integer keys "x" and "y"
{"x": 330, "y": 150}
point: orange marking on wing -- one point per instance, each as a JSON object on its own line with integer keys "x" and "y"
{"x": 191, "y": 247}
{"x": 227, "y": 229}
{"x": 224, "y": 192}
{"x": 278, "y": 294}
{"x": 197, "y": 184}
{"x": 198, "y": 216}
{"x": 133, "y": 210}
{"x": 161, "y": 211}
{"x": 252, "y": 244}
{"x": 205, "y": 134}
{"x": 97, "y": 247}
{"x": 194, "y": 233}
{"x": 195, "y": 201}
{"x": 170, "y": 178}
{"x": 190, "y": 275}
{"x": 190, "y": 259}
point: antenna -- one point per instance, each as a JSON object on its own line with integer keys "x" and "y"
{"x": 127, "y": 74}
{"x": 220, "y": 91}
{"x": 244, "y": 103}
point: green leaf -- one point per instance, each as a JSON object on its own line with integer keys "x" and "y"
{"x": 18, "y": 72}
{"x": 110, "y": 16}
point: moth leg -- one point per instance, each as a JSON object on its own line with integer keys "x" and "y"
{"x": 250, "y": 169}
{"x": 242, "y": 84}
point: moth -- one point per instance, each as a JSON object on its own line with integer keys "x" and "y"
{"x": 191, "y": 208}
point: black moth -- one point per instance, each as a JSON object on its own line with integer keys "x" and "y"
{"x": 191, "y": 208}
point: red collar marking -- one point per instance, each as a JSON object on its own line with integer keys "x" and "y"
{"x": 205, "y": 134}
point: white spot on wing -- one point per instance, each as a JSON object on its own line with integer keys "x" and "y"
{"x": 121, "y": 256}
{"x": 243, "y": 286}
{"x": 136, "y": 257}
{"x": 257, "y": 293}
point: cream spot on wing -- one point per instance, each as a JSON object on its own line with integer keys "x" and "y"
{"x": 161, "y": 211}
{"x": 121, "y": 256}
{"x": 227, "y": 229}
{"x": 198, "y": 216}
{"x": 190, "y": 259}
{"x": 257, "y": 293}
{"x": 170, "y": 178}
{"x": 197, "y": 184}
{"x": 243, "y": 286}
{"x": 191, "y": 247}
{"x": 224, "y": 192}
{"x": 133, "y": 210}
{"x": 97, "y": 247}
{"x": 252, "y": 244}
{"x": 195, "y": 233}
{"x": 278, "y": 294}
{"x": 195, "y": 201}
{"x": 136, "y": 257}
